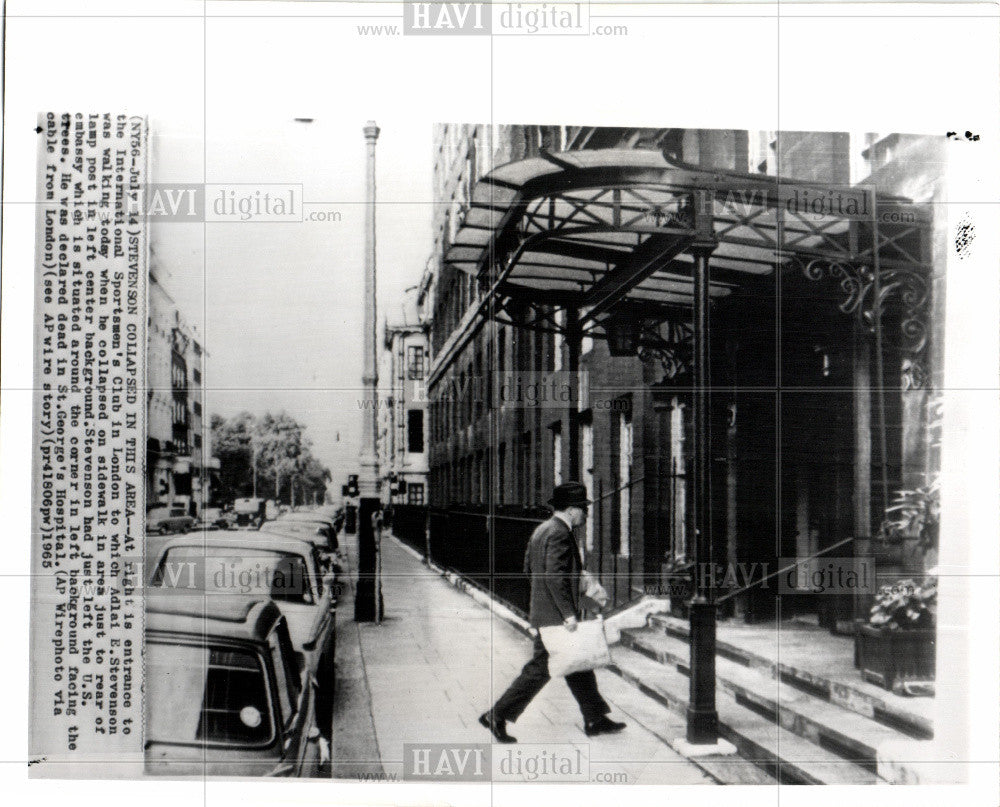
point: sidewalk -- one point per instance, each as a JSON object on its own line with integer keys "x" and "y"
{"x": 439, "y": 659}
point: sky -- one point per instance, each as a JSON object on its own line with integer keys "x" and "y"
{"x": 279, "y": 305}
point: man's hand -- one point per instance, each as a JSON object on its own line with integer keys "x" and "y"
{"x": 570, "y": 623}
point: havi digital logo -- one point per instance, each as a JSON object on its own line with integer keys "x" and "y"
{"x": 434, "y": 19}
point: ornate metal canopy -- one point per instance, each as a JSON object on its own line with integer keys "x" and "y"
{"x": 607, "y": 231}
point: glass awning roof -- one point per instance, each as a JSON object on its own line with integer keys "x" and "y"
{"x": 606, "y": 231}
{"x": 561, "y": 223}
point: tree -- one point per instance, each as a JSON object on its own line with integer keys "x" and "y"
{"x": 315, "y": 477}
{"x": 232, "y": 444}
{"x": 281, "y": 446}
{"x": 282, "y": 453}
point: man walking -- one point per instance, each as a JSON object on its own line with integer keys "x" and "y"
{"x": 554, "y": 564}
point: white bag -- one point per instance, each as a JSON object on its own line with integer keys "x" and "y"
{"x": 575, "y": 651}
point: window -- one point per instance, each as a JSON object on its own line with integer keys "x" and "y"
{"x": 196, "y": 375}
{"x": 625, "y": 484}
{"x": 477, "y": 383}
{"x": 196, "y": 405}
{"x": 588, "y": 481}
{"x": 501, "y": 472}
{"x": 210, "y": 695}
{"x": 415, "y": 363}
{"x": 178, "y": 374}
{"x": 558, "y": 340}
{"x": 467, "y": 391}
{"x": 481, "y": 476}
{"x": 678, "y": 483}
{"x": 415, "y": 431}
{"x": 557, "y": 476}
{"x": 462, "y": 404}
{"x": 415, "y": 493}
{"x": 586, "y": 344}
{"x": 524, "y": 469}
{"x": 280, "y": 576}
{"x": 197, "y": 440}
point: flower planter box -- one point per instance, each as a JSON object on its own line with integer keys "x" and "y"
{"x": 887, "y": 657}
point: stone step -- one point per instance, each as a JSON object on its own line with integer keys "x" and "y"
{"x": 854, "y": 738}
{"x": 860, "y": 697}
{"x": 780, "y": 754}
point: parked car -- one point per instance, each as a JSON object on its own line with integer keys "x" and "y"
{"x": 226, "y": 693}
{"x": 306, "y": 531}
{"x": 283, "y": 568}
{"x": 163, "y": 520}
{"x": 318, "y": 532}
{"x": 327, "y": 523}
{"x": 249, "y": 512}
{"x": 212, "y": 518}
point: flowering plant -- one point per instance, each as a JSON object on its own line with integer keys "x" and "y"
{"x": 905, "y": 605}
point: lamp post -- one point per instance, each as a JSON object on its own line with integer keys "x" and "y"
{"x": 367, "y": 600}
{"x": 702, "y": 737}
{"x": 702, "y": 717}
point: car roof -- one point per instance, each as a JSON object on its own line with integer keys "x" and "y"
{"x": 298, "y": 525}
{"x": 312, "y": 538}
{"x": 242, "y": 539}
{"x": 300, "y": 515}
{"x": 225, "y": 616}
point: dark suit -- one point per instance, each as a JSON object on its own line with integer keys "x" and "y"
{"x": 553, "y": 563}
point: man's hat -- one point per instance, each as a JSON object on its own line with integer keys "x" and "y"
{"x": 569, "y": 494}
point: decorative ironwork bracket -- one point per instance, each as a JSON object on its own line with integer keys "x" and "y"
{"x": 869, "y": 300}
{"x": 673, "y": 351}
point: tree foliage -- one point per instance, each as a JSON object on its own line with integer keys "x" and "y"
{"x": 276, "y": 443}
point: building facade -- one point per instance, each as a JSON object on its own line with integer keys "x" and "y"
{"x": 403, "y": 411}
{"x": 179, "y": 458}
{"x": 818, "y": 413}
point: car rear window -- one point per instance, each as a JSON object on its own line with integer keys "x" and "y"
{"x": 280, "y": 576}
{"x": 212, "y": 695}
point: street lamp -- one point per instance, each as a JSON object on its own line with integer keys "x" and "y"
{"x": 702, "y": 736}
{"x": 368, "y": 597}
{"x": 623, "y": 329}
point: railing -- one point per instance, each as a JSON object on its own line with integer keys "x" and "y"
{"x": 409, "y": 524}
{"x": 459, "y": 539}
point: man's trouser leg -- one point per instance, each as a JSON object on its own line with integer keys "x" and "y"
{"x": 534, "y": 675}
{"x": 583, "y": 685}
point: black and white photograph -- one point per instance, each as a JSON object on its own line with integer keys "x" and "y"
{"x": 473, "y": 403}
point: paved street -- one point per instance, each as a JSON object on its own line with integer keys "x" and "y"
{"x": 439, "y": 659}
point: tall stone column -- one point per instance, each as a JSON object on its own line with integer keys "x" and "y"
{"x": 366, "y": 595}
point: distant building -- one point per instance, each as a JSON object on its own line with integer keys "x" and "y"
{"x": 403, "y": 410}
{"x": 178, "y": 443}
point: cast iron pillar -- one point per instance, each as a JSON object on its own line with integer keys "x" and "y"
{"x": 702, "y": 717}
{"x": 573, "y": 339}
{"x": 366, "y": 595}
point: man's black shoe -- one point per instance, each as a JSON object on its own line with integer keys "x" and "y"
{"x": 498, "y": 728}
{"x": 603, "y": 725}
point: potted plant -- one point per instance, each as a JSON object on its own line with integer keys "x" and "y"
{"x": 895, "y": 648}
{"x": 912, "y": 522}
